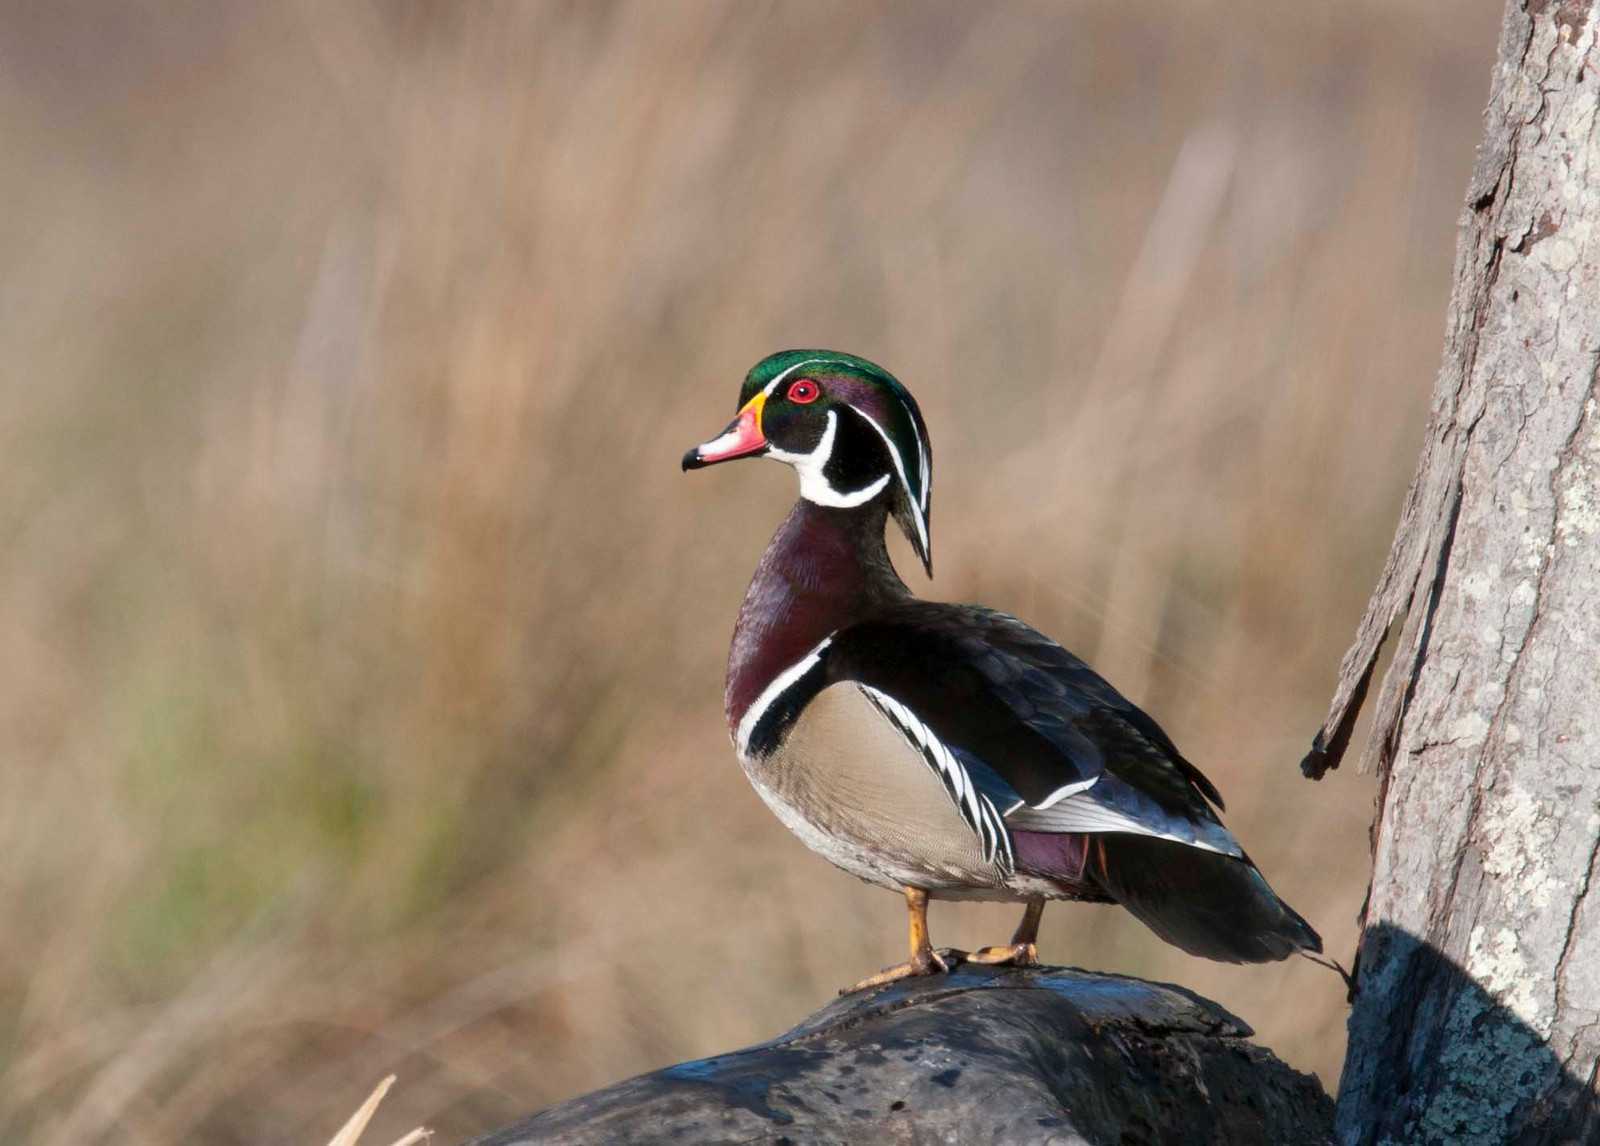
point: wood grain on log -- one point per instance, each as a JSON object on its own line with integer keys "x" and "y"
{"x": 980, "y": 1055}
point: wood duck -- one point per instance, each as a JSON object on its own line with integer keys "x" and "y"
{"x": 951, "y": 751}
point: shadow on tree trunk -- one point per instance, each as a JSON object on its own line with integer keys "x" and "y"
{"x": 1475, "y": 1073}
{"x": 1479, "y": 1014}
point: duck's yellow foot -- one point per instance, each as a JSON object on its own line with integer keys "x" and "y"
{"x": 1011, "y": 955}
{"x": 928, "y": 962}
{"x": 1022, "y": 951}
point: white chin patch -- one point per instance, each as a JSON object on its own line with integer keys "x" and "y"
{"x": 814, "y": 484}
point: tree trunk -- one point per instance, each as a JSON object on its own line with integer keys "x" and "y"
{"x": 1478, "y": 1014}
{"x": 980, "y": 1055}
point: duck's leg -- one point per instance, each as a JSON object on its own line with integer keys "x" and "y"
{"x": 1024, "y": 948}
{"x": 924, "y": 959}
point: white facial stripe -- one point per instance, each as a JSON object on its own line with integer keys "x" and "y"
{"x": 814, "y": 486}
{"x": 773, "y": 385}
{"x": 781, "y": 682}
{"x": 917, "y": 510}
{"x": 922, "y": 467}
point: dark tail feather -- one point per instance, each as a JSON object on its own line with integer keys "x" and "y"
{"x": 1208, "y": 904}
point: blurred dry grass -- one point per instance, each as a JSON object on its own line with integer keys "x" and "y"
{"x": 362, "y": 645}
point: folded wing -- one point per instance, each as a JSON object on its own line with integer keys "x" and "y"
{"x": 1057, "y": 748}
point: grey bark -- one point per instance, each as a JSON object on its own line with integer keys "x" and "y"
{"x": 980, "y": 1055}
{"x": 1478, "y": 1018}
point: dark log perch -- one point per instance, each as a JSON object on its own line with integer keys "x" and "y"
{"x": 981, "y": 1055}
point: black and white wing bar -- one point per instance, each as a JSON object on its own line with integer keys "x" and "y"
{"x": 976, "y": 808}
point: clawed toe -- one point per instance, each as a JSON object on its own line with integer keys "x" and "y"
{"x": 928, "y": 962}
{"x": 1022, "y": 951}
{"x": 1011, "y": 955}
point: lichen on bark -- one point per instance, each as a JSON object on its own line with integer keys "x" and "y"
{"x": 1485, "y": 728}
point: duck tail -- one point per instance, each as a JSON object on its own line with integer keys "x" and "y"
{"x": 1209, "y": 904}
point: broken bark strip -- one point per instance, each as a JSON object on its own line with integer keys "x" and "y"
{"x": 1486, "y": 728}
{"x": 1412, "y": 566}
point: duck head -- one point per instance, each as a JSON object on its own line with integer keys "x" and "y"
{"x": 849, "y": 429}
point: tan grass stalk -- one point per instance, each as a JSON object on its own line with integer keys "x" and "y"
{"x": 351, "y": 1131}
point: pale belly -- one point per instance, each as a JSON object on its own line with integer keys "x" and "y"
{"x": 849, "y": 786}
{"x": 885, "y": 869}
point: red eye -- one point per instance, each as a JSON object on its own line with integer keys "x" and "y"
{"x": 803, "y": 391}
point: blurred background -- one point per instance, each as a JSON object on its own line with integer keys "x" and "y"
{"x": 361, "y": 643}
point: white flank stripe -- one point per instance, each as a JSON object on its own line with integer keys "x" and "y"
{"x": 976, "y": 809}
{"x": 781, "y": 682}
{"x": 996, "y": 824}
{"x": 1085, "y": 814}
{"x": 1066, "y": 790}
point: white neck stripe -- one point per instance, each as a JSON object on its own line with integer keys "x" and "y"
{"x": 769, "y": 695}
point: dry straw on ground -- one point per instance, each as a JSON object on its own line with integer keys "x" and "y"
{"x": 350, "y": 1133}
{"x": 362, "y": 644}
